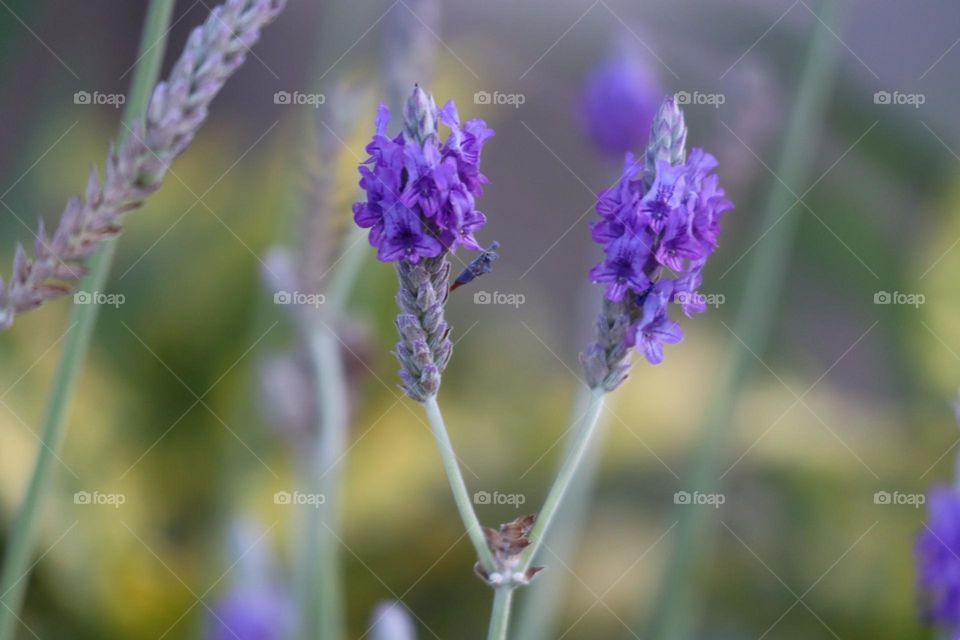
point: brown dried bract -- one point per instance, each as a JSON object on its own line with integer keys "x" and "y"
{"x": 507, "y": 545}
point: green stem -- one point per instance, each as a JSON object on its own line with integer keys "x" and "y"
{"x": 500, "y": 615}
{"x": 325, "y": 613}
{"x": 347, "y": 270}
{"x": 541, "y": 603}
{"x": 579, "y": 445}
{"x": 457, "y": 485}
{"x": 584, "y": 428}
{"x": 673, "y": 616}
{"x": 321, "y": 595}
{"x": 22, "y": 540}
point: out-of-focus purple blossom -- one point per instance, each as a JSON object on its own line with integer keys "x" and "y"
{"x": 257, "y": 606}
{"x": 938, "y": 559}
{"x": 620, "y": 98}
{"x": 264, "y": 612}
{"x": 422, "y": 191}
{"x": 658, "y": 226}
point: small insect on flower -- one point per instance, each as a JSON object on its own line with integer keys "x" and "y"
{"x": 480, "y": 265}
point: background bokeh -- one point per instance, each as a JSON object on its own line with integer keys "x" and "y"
{"x": 849, "y": 398}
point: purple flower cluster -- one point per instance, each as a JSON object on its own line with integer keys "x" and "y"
{"x": 657, "y": 232}
{"x": 421, "y": 192}
{"x": 938, "y": 559}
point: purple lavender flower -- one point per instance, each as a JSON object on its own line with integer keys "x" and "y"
{"x": 625, "y": 267}
{"x": 619, "y": 101}
{"x": 658, "y": 226}
{"x": 421, "y": 191}
{"x": 420, "y": 206}
{"x": 938, "y": 566}
{"x": 655, "y": 327}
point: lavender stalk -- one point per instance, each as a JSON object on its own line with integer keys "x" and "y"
{"x": 175, "y": 111}
{"x": 137, "y": 165}
{"x": 420, "y": 206}
{"x": 320, "y": 589}
{"x": 20, "y": 545}
{"x": 658, "y": 226}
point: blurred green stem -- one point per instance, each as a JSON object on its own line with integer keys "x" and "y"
{"x": 674, "y": 615}
{"x": 321, "y": 597}
{"x": 500, "y": 615}
{"x": 460, "y": 494}
{"x": 323, "y": 600}
{"x": 22, "y": 541}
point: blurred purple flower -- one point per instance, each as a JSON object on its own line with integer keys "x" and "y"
{"x": 938, "y": 559}
{"x": 420, "y": 191}
{"x": 263, "y": 612}
{"x": 257, "y": 606}
{"x": 620, "y": 98}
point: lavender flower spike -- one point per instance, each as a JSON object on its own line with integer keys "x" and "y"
{"x": 420, "y": 205}
{"x": 658, "y": 226}
{"x": 176, "y": 110}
